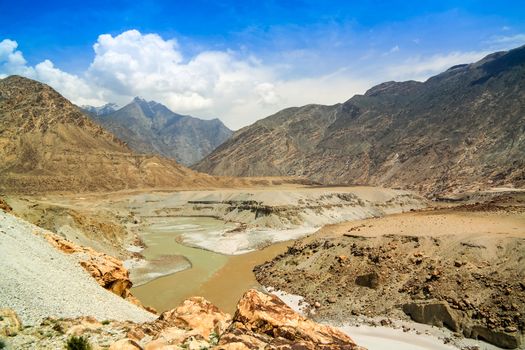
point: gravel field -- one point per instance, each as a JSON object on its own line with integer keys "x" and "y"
{"x": 38, "y": 281}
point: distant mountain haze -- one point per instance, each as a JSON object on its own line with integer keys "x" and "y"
{"x": 462, "y": 129}
{"x": 150, "y": 127}
{"x": 106, "y": 109}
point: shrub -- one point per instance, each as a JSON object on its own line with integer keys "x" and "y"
{"x": 78, "y": 343}
{"x": 2, "y": 344}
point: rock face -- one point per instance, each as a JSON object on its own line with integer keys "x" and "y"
{"x": 150, "y": 127}
{"x": 196, "y": 321}
{"x": 4, "y": 206}
{"x": 458, "y": 130}
{"x": 10, "y": 324}
{"x": 48, "y": 144}
{"x": 108, "y": 271}
{"x": 437, "y": 314}
{"x": 441, "y": 314}
{"x": 264, "y": 322}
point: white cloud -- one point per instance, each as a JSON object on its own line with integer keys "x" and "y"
{"x": 237, "y": 88}
{"x": 421, "y": 67}
{"x": 209, "y": 84}
{"x": 509, "y": 41}
{"x": 74, "y": 88}
{"x": 392, "y": 50}
{"x": 11, "y": 60}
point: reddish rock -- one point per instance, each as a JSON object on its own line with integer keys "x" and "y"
{"x": 263, "y": 321}
{"x": 4, "y": 206}
{"x": 109, "y": 272}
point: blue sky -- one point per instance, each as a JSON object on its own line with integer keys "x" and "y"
{"x": 243, "y": 60}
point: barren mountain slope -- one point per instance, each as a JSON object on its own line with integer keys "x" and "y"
{"x": 48, "y": 144}
{"x": 464, "y": 128}
{"x": 150, "y": 127}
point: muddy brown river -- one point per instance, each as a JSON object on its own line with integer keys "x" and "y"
{"x": 219, "y": 278}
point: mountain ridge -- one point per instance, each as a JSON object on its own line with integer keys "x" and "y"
{"x": 47, "y": 144}
{"x": 461, "y": 129}
{"x": 150, "y": 127}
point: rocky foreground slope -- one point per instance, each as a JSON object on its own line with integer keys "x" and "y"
{"x": 461, "y": 129}
{"x": 151, "y": 128}
{"x": 260, "y": 322}
{"x": 38, "y": 280}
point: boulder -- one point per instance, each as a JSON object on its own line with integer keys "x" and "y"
{"x": 195, "y": 323}
{"x": 505, "y": 340}
{"x": 435, "y": 313}
{"x": 4, "y": 206}
{"x": 10, "y": 324}
{"x": 109, "y": 272}
{"x": 370, "y": 280}
{"x": 263, "y": 321}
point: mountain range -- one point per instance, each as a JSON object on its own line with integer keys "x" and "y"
{"x": 48, "y": 144}
{"x": 461, "y": 129}
{"x": 151, "y": 128}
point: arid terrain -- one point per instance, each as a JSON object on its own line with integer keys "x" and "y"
{"x": 425, "y": 250}
{"x": 460, "y": 266}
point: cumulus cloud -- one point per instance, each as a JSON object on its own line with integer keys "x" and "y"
{"x": 135, "y": 64}
{"x": 12, "y": 61}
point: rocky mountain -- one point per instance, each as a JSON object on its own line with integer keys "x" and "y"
{"x": 106, "y": 109}
{"x": 462, "y": 129}
{"x": 49, "y": 144}
{"x": 150, "y": 127}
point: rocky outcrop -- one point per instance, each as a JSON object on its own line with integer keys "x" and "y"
{"x": 108, "y": 271}
{"x": 437, "y": 313}
{"x": 506, "y": 340}
{"x": 260, "y": 322}
{"x": 4, "y": 206}
{"x": 460, "y": 130}
{"x": 10, "y": 324}
{"x": 263, "y": 321}
{"x": 195, "y": 321}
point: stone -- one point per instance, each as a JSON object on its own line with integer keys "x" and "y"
{"x": 435, "y": 313}
{"x": 263, "y": 321}
{"x": 10, "y": 324}
{"x": 500, "y": 339}
{"x": 5, "y": 207}
{"x": 109, "y": 272}
{"x": 196, "y": 321}
{"x": 369, "y": 280}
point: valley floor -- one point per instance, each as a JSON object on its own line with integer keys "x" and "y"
{"x": 379, "y": 252}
